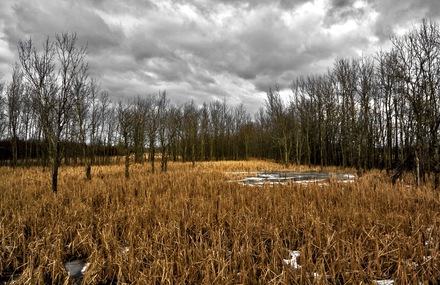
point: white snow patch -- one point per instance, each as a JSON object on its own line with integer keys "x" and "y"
{"x": 293, "y": 261}
{"x": 83, "y": 270}
{"x": 123, "y": 251}
{"x": 384, "y": 282}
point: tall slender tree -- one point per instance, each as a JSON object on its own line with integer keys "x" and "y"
{"x": 51, "y": 74}
{"x": 14, "y": 101}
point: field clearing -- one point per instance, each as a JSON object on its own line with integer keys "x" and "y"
{"x": 190, "y": 225}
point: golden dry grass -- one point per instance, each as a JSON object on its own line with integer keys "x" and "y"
{"x": 190, "y": 226}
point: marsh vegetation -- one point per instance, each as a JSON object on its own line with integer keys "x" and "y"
{"x": 190, "y": 226}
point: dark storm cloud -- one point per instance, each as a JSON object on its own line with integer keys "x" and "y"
{"x": 342, "y": 10}
{"x": 143, "y": 46}
{"x": 206, "y": 49}
{"x": 395, "y": 15}
{"x": 40, "y": 19}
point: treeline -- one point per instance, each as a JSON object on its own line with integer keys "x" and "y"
{"x": 368, "y": 112}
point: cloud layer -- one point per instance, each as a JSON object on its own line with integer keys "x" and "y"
{"x": 203, "y": 50}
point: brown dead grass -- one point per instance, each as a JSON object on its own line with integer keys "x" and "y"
{"x": 190, "y": 226}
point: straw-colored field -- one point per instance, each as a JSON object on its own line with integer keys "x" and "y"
{"x": 190, "y": 226}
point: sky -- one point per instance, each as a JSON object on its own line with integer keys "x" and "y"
{"x": 206, "y": 50}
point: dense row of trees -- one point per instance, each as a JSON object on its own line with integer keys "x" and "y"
{"x": 365, "y": 112}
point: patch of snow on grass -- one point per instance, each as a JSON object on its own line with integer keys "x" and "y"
{"x": 384, "y": 282}
{"x": 293, "y": 261}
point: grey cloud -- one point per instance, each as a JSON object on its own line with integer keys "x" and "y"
{"x": 194, "y": 57}
{"x": 247, "y": 74}
{"x": 337, "y": 4}
{"x": 285, "y": 4}
{"x": 405, "y": 13}
{"x": 42, "y": 19}
{"x": 342, "y": 10}
{"x": 144, "y": 46}
{"x": 204, "y": 79}
{"x": 263, "y": 83}
{"x": 132, "y": 7}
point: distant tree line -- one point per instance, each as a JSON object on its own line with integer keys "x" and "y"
{"x": 368, "y": 112}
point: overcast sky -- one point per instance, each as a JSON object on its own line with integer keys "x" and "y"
{"x": 207, "y": 49}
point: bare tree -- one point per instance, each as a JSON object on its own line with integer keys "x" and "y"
{"x": 365, "y": 94}
{"x": 386, "y": 86}
{"x": 82, "y": 91}
{"x": 204, "y": 132}
{"x": 219, "y": 117}
{"x": 14, "y": 96}
{"x": 94, "y": 120}
{"x": 125, "y": 120}
{"x": 174, "y": 119}
{"x": 345, "y": 73}
{"x": 140, "y": 109}
{"x": 418, "y": 69}
{"x": 107, "y": 122}
{"x": 51, "y": 75}
{"x": 164, "y": 127}
{"x": 190, "y": 129}
{"x": 240, "y": 139}
{"x": 3, "y": 122}
{"x": 278, "y": 115}
{"x": 28, "y": 120}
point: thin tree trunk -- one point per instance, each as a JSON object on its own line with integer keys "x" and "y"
{"x": 152, "y": 159}
{"x": 127, "y": 163}
{"x": 14, "y": 151}
{"x": 88, "y": 171}
{"x": 417, "y": 168}
{"x": 164, "y": 163}
{"x": 193, "y": 154}
{"x": 55, "y": 166}
{"x": 436, "y": 166}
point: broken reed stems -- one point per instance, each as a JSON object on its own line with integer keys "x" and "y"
{"x": 190, "y": 226}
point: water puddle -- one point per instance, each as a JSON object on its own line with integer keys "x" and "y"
{"x": 281, "y": 177}
{"x": 76, "y": 269}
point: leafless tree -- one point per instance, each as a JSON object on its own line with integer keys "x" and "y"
{"x": 418, "y": 69}
{"x": 52, "y": 74}
{"x": 151, "y": 111}
{"x": 3, "y": 121}
{"x": 14, "y": 99}
{"x": 190, "y": 129}
{"x": 82, "y": 91}
{"x": 126, "y": 124}
{"x": 279, "y": 117}
{"x": 164, "y": 127}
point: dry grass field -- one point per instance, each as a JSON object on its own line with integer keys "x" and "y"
{"x": 190, "y": 226}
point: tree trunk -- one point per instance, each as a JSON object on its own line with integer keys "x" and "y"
{"x": 55, "y": 177}
{"x": 417, "y": 168}
{"x": 86, "y": 161}
{"x": 164, "y": 162}
{"x": 436, "y": 167}
{"x": 286, "y": 153}
{"x": 88, "y": 171}
{"x": 55, "y": 166}
{"x": 152, "y": 159}
{"x": 193, "y": 154}
{"x": 127, "y": 163}
{"x": 14, "y": 151}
